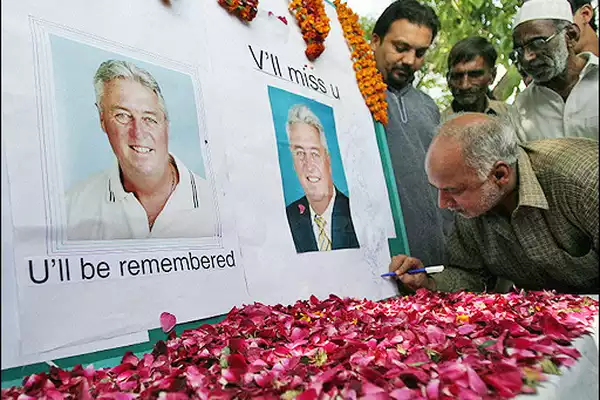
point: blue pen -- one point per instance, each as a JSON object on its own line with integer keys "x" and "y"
{"x": 427, "y": 270}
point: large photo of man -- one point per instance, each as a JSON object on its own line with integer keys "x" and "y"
{"x": 149, "y": 192}
{"x": 320, "y": 220}
{"x": 131, "y": 149}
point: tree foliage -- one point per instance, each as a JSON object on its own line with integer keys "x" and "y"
{"x": 367, "y": 24}
{"x": 491, "y": 19}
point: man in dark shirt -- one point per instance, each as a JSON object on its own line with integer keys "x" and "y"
{"x": 401, "y": 37}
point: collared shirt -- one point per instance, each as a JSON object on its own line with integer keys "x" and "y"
{"x": 100, "y": 209}
{"x": 494, "y": 107}
{"x": 327, "y": 216}
{"x": 551, "y": 239}
{"x": 540, "y": 113}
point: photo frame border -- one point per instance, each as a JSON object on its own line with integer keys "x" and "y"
{"x": 50, "y": 151}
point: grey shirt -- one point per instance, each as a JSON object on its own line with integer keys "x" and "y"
{"x": 413, "y": 119}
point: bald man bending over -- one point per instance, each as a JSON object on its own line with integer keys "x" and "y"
{"x": 526, "y": 213}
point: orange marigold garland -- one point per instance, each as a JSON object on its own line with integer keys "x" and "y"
{"x": 243, "y": 9}
{"x": 314, "y": 24}
{"x": 370, "y": 81}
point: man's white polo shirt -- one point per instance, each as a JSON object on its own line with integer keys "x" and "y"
{"x": 100, "y": 209}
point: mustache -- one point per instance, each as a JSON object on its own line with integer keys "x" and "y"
{"x": 537, "y": 65}
{"x": 405, "y": 69}
{"x": 467, "y": 92}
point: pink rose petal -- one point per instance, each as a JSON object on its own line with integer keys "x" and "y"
{"x": 475, "y": 382}
{"x": 402, "y": 394}
{"x": 506, "y": 381}
{"x": 167, "y": 321}
{"x": 466, "y": 329}
{"x": 410, "y": 347}
{"x": 310, "y": 394}
{"x": 435, "y": 334}
{"x": 433, "y": 389}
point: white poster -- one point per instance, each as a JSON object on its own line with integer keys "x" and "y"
{"x": 176, "y": 159}
{"x": 263, "y": 76}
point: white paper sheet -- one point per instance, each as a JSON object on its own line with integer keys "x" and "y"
{"x": 236, "y": 139}
{"x": 67, "y": 309}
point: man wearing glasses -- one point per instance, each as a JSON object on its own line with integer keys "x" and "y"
{"x": 471, "y": 69}
{"x": 562, "y": 101}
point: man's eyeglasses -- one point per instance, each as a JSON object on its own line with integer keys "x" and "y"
{"x": 473, "y": 74}
{"x": 536, "y": 45}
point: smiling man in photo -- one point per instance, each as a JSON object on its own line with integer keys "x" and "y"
{"x": 320, "y": 220}
{"x": 148, "y": 193}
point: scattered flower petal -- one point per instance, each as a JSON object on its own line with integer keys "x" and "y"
{"x": 411, "y": 347}
{"x": 167, "y": 322}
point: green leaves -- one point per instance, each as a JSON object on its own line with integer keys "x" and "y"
{"x": 223, "y": 359}
{"x": 417, "y": 364}
{"x": 401, "y": 349}
{"x": 290, "y": 394}
{"x": 433, "y": 355}
{"x": 478, "y": 3}
{"x": 305, "y": 360}
{"x": 505, "y": 87}
{"x": 367, "y": 24}
{"x": 483, "y": 346}
{"x": 549, "y": 367}
{"x": 319, "y": 359}
{"x": 532, "y": 377}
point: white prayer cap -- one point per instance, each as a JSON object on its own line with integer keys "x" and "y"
{"x": 543, "y": 9}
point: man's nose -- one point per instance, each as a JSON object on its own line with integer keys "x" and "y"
{"x": 464, "y": 82}
{"x": 409, "y": 57}
{"x": 310, "y": 164}
{"x": 136, "y": 129}
{"x": 528, "y": 55}
{"x": 444, "y": 199}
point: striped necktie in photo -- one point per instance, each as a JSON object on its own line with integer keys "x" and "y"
{"x": 323, "y": 241}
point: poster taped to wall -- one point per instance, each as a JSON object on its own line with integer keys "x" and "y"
{"x": 149, "y": 174}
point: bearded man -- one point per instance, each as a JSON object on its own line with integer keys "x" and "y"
{"x": 524, "y": 213}
{"x": 562, "y": 101}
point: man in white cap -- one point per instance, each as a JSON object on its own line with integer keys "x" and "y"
{"x": 562, "y": 101}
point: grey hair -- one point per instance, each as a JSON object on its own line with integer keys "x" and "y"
{"x": 301, "y": 114}
{"x": 119, "y": 69}
{"x": 484, "y": 143}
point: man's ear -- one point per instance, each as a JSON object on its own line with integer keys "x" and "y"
{"x": 587, "y": 13}
{"x": 572, "y": 35}
{"x": 375, "y": 42}
{"x": 501, "y": 173}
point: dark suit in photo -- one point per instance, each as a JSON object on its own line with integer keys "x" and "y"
{"x": 342, "y": 229}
